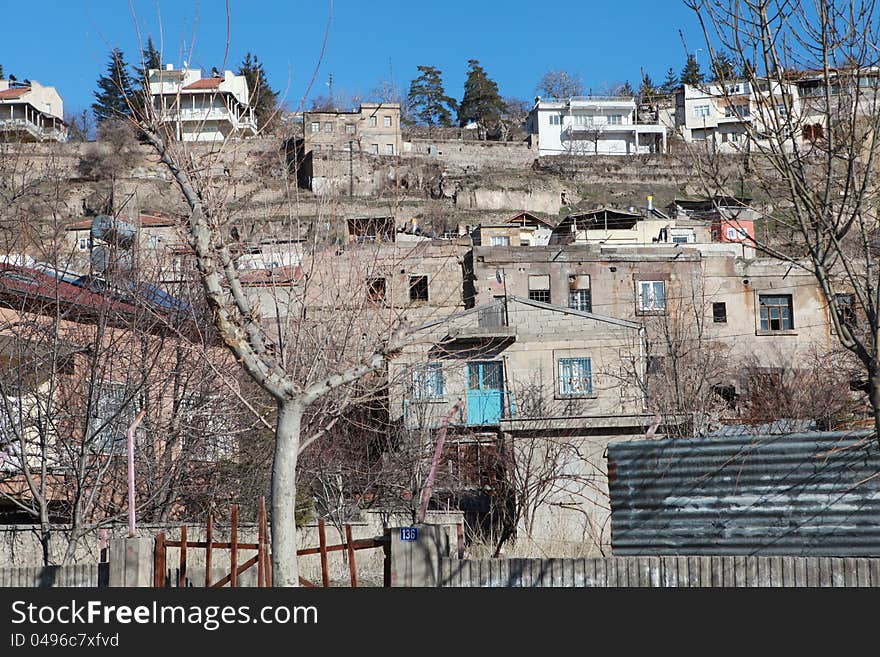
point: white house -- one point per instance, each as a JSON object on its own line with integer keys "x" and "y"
{"x": 31, "y": 112}
{"x": 202, "y": 109}
{"x": 593, "y": 125}
{"x": 726, "y": 117}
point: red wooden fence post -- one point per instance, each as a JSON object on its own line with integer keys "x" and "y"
{"x": 182, "y": 581}
{"x": 352, "y": 567}
{"x": 322, "y": 541}
{"x": 208, "y": 555}
{"x": 233, "y": 547}
{"x": 159, "y": 561}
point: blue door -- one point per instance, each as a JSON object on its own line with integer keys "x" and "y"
{"x": 485, "y": 390}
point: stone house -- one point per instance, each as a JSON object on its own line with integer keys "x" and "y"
{"x": 374, "y": 128}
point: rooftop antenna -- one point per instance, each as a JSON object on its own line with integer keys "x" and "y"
{"x": 329, "y": 84}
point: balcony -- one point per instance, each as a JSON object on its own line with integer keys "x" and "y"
{"x": 199, "y": 115}
{"x": 33, "y": 130}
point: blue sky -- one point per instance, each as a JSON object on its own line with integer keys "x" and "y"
{"x": 66, "y": 42}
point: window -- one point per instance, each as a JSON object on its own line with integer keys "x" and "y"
{"x": 349, "y": 128}
{"x": 556, "y": 119}
{"x": 652, "y": 295}
{"x": 575, "y": 377}
{"x": 719, "y": 312}
{"x": 418, "y": 288}
{"x": 374, "y": 149}
{"x": 316, "y": 127}
{"x": 846, "y": 304}
{"x": 776, "y": 312}
{"x": 583, "y": 119}
{"x": 85, "y": 243}
{"x": 386, "y": 121}
{"x": 389, "y": 149}
{"x": 523, "y": 241}
{"x": 427, "y": 382}
{"x": 112, "y": 413}
{"x": 499, "y": 240}
{"x": 615, "y": 119}
{"x": 579, "y": 297}
{"x": 373, "y": 122}
{"x": 701, "y": 111}
{"x": 539, "y": 288}
{"x": 739, "y": 110}
{"x": 328, "y": 127}
{"x": 376, "y": 289}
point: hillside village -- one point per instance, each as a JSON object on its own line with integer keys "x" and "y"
{"x": 526, "y": 294}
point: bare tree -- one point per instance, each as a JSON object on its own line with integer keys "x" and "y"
{"x": 560, "y": 84}
{"x": 812, "y": 147}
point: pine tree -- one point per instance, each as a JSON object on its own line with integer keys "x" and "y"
{"x": 624, "y": 89}
{"x": 263, "y": 98}
{"x": 691, "y": 73}
{"x": 151, "y": 59}
{"x": 1, "y": 71}
{"x": 723, "y": 67}
{"x": 670, "y": 83}
{"x": 114, "y": 90}
{"x": 647, "y": 90}
{"x": 427, "y": 98}
{"x": 481, "y": 102}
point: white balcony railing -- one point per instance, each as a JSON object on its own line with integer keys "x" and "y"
{"x": 35, "y": 131}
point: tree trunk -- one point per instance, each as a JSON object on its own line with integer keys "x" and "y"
{"x": 45, "y": 534}
{"x": 285, "y": 570}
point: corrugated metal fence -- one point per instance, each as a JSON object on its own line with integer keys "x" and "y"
{"x": 661, "y": 572}
{"x": 80, "y": 576}
{"x": 807, "y": 494}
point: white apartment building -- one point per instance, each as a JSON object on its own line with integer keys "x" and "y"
{"x": 31, "y": 112}
{"x": 202, "y": 109}
{"x": 593, "y": 125}
{"x": 726, "y": 117}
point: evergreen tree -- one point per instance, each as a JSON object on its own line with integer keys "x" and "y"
{"x": 263, "y": 98}
{"x": 481, "y": 101}
{"x": 624, "y": 89}
{"x": 151, "y": 59}
{"x": 691, "y": 73}
{"x": 1, "y": 71}
{"x": 647, "y": 90}
{"x": 670, "y": 83}
{"x": 723, "y": 67}
{"x": 427, "y": 98}
{"x": 114, "y": 90}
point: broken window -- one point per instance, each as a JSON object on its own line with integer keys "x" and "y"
{"x": 579, "y": 297}
{"x": 655, "y": 364}
{"x": 776, "y": 312}
{"x": 539, "y": 288}
{"x": 376, "y": 289}
{"x": 418, "y": 288}
{"x": 575, "y": 376}
{"x": 719, "y": 312}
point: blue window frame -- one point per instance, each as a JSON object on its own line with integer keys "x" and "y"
{"x": 427, "y": 382}
{"x": 575, "y": 377}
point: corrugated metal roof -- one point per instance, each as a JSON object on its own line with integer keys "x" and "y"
{"x": 810, "y": 494}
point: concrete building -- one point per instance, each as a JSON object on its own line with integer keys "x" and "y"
{"x": 761, "y": 312}
{"x": 194, "y": 108}
{"x": 523, "y": 229}
{"x": 374, "y": 128}
{"x": 727, "y": 117}
{"x": 593, "y": 125}
{"x": 31, "y": 112}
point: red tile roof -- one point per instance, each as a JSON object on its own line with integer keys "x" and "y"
{"x": 15, "y": 92}
{"x": 205, "y": 83}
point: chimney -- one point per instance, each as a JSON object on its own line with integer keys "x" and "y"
{"x": 169, "y": 67}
